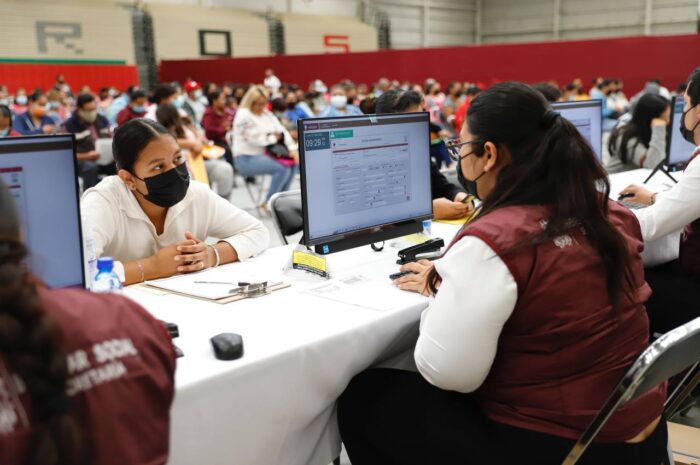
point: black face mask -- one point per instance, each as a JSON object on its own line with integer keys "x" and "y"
{"x": 469, "y": 186}
{"x": 169, "y": 188}
{"x": 291, "y": 105}
{"x": 688, "y": 134}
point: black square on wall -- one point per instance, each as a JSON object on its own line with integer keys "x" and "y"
{"x": 214, "y": 43}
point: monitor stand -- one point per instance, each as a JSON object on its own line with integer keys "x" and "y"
{"x": 661, "y": 167}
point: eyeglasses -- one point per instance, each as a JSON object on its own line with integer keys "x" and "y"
{"x": 454, "y": 147}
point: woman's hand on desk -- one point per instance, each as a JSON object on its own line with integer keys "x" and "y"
{"x": 634, "y": 193}
{"x": 417, "y": 282}
{"x": 446, "y": 209}
{"x": 194, "y": 255}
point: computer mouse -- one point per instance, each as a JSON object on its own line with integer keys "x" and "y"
{"x": 227, "y": 346}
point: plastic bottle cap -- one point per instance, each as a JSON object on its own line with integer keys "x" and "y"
{"x": 105, "y": 264}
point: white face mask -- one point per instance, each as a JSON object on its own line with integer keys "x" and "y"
{"x": 339, "y": 101}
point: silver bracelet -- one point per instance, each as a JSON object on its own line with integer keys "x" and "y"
{"x": 143, "y": 275}
{"x": 216, "y": 252}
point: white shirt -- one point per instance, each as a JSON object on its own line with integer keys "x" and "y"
{"x": 273, "y": 83}
{"x": 675, "y": 208}
{"x": 122, "y": 230}
{"x": 460, "y": 330}
{"x": 252, "y": 133}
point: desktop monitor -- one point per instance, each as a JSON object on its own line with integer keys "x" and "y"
{"x": 587, "y": 116}
{"x": 364, "y": 179}
{"x": 678, "y": 150}
{"x": 41, "y": 174}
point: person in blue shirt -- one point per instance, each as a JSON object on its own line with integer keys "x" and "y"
{"x": 36, "y": 119}
{"x": 88, "y": 126}
{"x": 339, "y": 104}
{"x": 601, "y": 92}
{"x": 294, "y": 110}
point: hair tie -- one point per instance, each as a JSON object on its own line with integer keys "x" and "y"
{"x": 549, "y": 118}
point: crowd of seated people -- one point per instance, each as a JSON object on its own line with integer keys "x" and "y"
{"x": 155, "y": 222}
{"x": 209, "y": 114}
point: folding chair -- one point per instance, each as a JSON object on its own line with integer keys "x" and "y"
{"x": 287, "y": 214}
{"x": 669, "y": 355}
{"x": 260, "y": 181}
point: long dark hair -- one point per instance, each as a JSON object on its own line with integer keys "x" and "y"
{"x": 391, "y": 101}
{"x": 551, "y": 165}
{"x": 648, "y": 107}
{"x": 131, "y": 138}
{"x": 30, "y": 344}
{"x": 169, "y": 117}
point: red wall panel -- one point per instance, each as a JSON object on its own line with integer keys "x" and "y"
{"x": 634, "y": 59}
{"x": 43, "y": 75}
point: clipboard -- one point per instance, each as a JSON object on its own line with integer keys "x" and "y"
{"x": 248, "y": 291}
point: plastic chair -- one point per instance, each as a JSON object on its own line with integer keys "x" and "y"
{"x": 286, "y": 210}
{"x": 669, "y": 355}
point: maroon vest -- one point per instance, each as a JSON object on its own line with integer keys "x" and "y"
{"x": 121, "y": 364}
{"x": 690, "y": 243}
{"x": 564, "y": 348}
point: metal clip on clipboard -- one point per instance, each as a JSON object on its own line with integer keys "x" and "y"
{"x": 252, "y": 290}
{"x": 429, "y": 250}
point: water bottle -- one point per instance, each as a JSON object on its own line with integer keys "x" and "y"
{"x": 89, "y": 253}
{"x": 427, "y": 228}
{"x": 106, "y": 280}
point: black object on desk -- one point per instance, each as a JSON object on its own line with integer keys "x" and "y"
{"x": 413, "y": 253}
{"x": 399, "y": 274}
{"x": 173, "y": 332}
{"x": 227, "y": 346}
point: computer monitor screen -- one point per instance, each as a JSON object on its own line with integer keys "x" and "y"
{"x": 587, "y": 116}
{"x": 678, "y": 149}
{"x": 364, "y": 178}
{"x": 41, "y": 175}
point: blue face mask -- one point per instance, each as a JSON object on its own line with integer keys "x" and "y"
{"x": 139, "y": 109}
{"x": 179, "y": 101}
{"x": 5, "y": 132}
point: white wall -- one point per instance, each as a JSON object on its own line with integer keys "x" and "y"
{"x": 518, "y": 21}
{"x": 419, "y": 23}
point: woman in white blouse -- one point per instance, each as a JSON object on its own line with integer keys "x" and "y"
{"x": 153, "y": 221}
{"x": 675, "y": 283}
{"x": 254, "y": 130}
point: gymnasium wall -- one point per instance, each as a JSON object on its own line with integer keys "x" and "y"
{"x": 90, "y": 42}
{"x": 187, "y": 31}
{"x": 634, "y": 59}
{"x": 307, "y": 34}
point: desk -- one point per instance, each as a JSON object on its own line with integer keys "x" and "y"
{"x": 276, "y": 405}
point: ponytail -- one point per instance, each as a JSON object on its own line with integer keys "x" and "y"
{"x": 551, "y": 164}
{"x": 30, "y": 344}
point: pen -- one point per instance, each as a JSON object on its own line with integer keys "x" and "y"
{"x": 221, "y": 282}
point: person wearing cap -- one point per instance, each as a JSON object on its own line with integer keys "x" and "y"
{"x": 193, "y": 104}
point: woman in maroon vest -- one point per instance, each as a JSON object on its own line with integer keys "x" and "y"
{"x": 537, "y": 312}
{"x": 84, "y": 378}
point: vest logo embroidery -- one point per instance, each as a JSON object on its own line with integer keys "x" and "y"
{"x": 562, "y": 241}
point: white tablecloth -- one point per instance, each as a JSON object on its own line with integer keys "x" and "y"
{"x": 276, "y": 404}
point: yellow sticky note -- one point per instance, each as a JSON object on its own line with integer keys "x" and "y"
{"x": 309, "y": 262}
